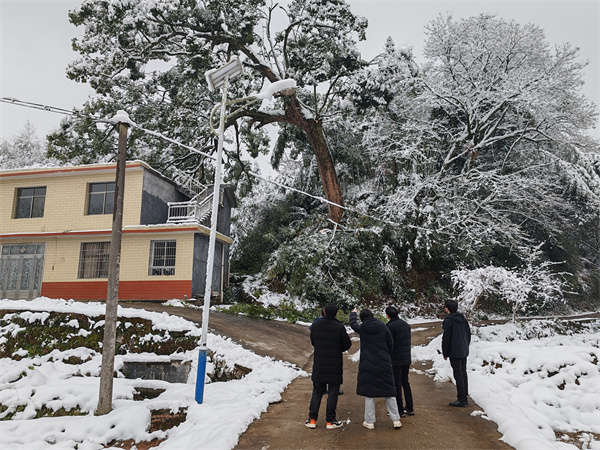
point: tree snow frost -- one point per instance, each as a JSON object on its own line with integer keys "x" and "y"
{"x": 25, "y": 149}
{"x": 149, "y": 57}
{"x": 535, "y": 285}
{"x": 484, "y": 155}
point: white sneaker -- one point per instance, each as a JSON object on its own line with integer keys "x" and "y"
{"x": 370, "y": 426}
{"x": 397, "y": 424}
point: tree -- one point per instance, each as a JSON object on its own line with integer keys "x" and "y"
{"x": 149, "y": 58}
{"x": 484, "y": 156}
{"x": 25, "y": 149}
{"x": 517, "y": 209}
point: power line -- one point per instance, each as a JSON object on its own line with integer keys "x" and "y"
{"x": 173, "y": 141}
{"x": 54, "y": 109}
{"x": 289, "y": 188}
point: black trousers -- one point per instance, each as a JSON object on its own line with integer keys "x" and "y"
{"x": 319, "y": 389}
{"x": 459, "y": 370}
{"x": 402, "y": 385}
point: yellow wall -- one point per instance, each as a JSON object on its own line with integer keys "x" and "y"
{"x": 61, "y": 260}
{"x": 66, "y": 200}
{"x": 136, "y": 256}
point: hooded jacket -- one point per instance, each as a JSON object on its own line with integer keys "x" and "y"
{"x": 375, "y": 373}
{"x": 457, "y": 336}
{"x": 400, "y": 331}
{"x": 330, "y": 339}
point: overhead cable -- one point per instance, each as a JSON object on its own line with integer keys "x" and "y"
{"x": 54, "y": 109}
{"x": 15, "y": 101}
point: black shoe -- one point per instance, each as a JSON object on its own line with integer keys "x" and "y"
{"x": 459, "y": 404}
{"x": 402, "y": 413}
{"x": 340, "y": 392}
{"x": 410, "y": 412}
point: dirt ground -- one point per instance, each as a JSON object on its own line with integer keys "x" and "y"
{"x": 435, "y": 425}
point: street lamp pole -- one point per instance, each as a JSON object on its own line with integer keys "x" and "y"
{"x": 216, "y": 78}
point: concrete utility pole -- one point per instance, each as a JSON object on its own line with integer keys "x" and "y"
{"x": 112, "y": 293}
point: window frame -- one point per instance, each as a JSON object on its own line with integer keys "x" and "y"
{"x": 163, "y": 269}
{"x": 32, "y": 202}
{"x": 107, "y": 197}
{"x": 93, "y": 262}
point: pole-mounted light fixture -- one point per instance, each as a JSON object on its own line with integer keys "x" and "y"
{"x": 216, "y": 78}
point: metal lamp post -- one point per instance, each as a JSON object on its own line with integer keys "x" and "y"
{"x": 216, "y": 78}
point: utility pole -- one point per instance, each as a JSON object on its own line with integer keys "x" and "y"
{"x": 112, "y": 292}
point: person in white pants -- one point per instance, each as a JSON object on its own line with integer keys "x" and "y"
{"x": 375, "y": 373}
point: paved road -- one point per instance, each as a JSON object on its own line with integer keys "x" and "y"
{"x": 435, "y": 425}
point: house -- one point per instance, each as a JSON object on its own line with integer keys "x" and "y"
{"x": 55, "y": 232}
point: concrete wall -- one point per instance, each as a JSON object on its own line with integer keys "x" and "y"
{"x": 201, "y": 243}
{"x": 224, "y": 221}
{"x": 156, "y": 194}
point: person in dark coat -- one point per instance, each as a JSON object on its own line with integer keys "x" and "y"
{"x": 400, "y": 331}
{"x": 330, "y": 339}
{"x": 455, "y": 345}
{"x": 340, "y": 391}
{"x": 375, "y": 374}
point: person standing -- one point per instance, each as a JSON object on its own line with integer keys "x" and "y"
{"x": 375, "y": 374}
{"x": 455, "y": 345}
{"x": 340, "y": 391}
{"x": 400, "y": 331}
{"x": 330, "y": 339}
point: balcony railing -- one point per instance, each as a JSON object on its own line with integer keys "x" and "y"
{"x": 197, "y": 210}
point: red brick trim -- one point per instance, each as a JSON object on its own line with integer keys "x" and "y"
{"x": 128, "y": 290}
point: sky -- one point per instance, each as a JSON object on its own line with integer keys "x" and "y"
{"x": 35, "y": 45}
{"x": 524, "y": 376}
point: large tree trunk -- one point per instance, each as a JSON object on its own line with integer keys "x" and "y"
{"x": 329, "y": 180}
{"x": 314, "y": 131}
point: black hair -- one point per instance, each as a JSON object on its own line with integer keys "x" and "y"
{"x": 391, "y": 311}
{"x": 331, "y": 310}
{"x": 452, "y": 305}
{"x": 365, "y": 313}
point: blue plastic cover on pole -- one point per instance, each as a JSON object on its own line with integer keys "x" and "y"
{"x": 201, "y": 375}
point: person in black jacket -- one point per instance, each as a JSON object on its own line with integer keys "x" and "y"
{"x": 340, "y": 391}
{"x": 375, "y": 374}
{"x": 455, "y": 345}
{"x": 330, "y": 339}
{"x": 400, "y": 331}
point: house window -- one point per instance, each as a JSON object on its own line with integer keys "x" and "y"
{"x": 101, "y": 199}
{"x": 162, "y": 258}
{"x": 30, "y": 202}
{"x": 93, "y": 260}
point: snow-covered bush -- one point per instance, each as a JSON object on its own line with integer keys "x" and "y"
{"x": 524, "y": 291}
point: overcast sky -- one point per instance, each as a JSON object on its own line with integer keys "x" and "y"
{"x": 35, "y": 44}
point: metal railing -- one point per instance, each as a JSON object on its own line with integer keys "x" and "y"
{"x": 198, "y": 210}
{"x": 191, "y": 211}
{"x": 190, "y": 184}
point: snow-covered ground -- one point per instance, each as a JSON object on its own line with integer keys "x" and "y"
{"x": 227, "y": 410}
{"x": 532, "y": 381}
{"x": 526, "y": 378}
